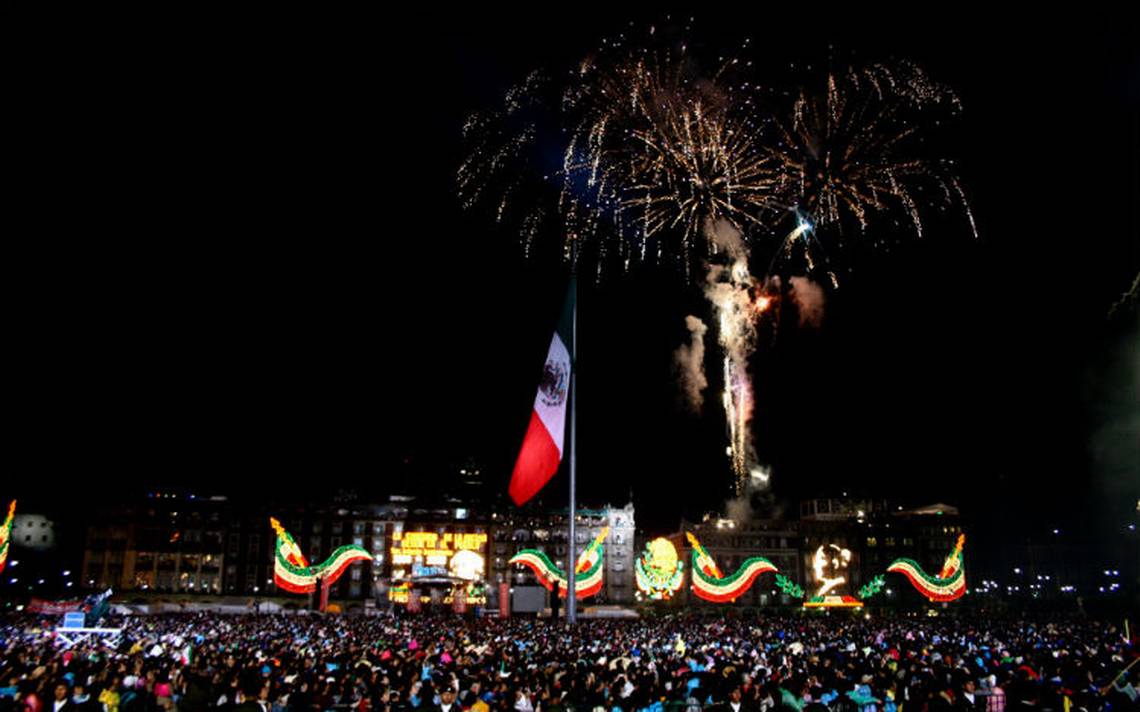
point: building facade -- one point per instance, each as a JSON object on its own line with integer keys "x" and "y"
{"x": 548, "y": 532}
{"x": 183, "y": 543}
{"x": 730, "y": 542}
{"x": 188, "y": 544}
{"x": 163, "y": 542}
{"x": 833, "y": 539}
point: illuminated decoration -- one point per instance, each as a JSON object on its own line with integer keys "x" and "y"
{"x": 658, "y": 571}
{"x": 872, "y": 587}
{"x": 711, "y": 585}
{"x": 789, "y": 587}
{"x": 467, "y": 565}
{"x": 6, "y": 534}
{"x": 832, "y": 601}
{"x": 829, "y": 565}
{"x": 588, "y": 575}
{"x": 948, "y": 585}
{"x": 292, "y": 572}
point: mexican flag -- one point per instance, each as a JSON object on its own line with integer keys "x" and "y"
{"x": 541, "y": 451}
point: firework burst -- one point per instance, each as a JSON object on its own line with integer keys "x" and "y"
{"x": 854, "y": 149}
{"x": 667, "y": 153}
{"x": 653, "y": 153}
{"x": 659, "y": 161}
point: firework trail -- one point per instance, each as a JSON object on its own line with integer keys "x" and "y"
{"x": 737, "y": 301}
{"x": 1127, "y": 300}
{"x": 851, "y": 153}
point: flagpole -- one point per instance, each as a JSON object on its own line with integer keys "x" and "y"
{"x": 572, "y": 560}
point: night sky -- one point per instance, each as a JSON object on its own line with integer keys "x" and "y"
{"x": 236, "y": 258}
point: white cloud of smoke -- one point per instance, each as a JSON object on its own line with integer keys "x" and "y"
{"x": 809, "y": 299}
{"x": 689, "y": 360}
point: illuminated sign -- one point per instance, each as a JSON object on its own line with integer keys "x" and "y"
{"x": 434, "y": 544}
{"x": 458, "y": 554}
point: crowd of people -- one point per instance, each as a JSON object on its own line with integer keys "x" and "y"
{"x": 281, "y": 663}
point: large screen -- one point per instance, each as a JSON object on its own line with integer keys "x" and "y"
{"x": 427, "y": 554}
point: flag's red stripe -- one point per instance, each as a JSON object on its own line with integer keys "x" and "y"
{"x": 537, "y": 463}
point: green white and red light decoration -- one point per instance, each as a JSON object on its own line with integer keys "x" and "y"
{"x": 292, "y": 572}
{"x": 6, "y": 534}
{"x": 588, "y": 575}
{"x": 948, "y": 585}
{"x": 660, "y": 575}
{"x": 711, "y": 585}
{"x": 658, "y": 572}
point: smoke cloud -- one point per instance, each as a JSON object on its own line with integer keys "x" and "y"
{"x": 726, "y": 237}
{"x": 729, "y": 289}
{"x": 808, "y": 297}
{"x": 690, "y": 363}
{"x": 755, "y": 500}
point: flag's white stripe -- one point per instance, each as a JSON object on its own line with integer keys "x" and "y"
{"x": 554, "y": 416}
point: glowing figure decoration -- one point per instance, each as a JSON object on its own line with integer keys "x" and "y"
{"x": 828, "y": 565}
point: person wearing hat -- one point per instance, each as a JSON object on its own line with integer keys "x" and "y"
{"x": 446, "y": 700}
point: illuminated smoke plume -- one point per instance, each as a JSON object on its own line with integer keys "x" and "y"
{"x": 690, "y": 362}
{"x": 730, "y": 289}
{"x": 755, "y": 492}
{"x": 809, "y": 299}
